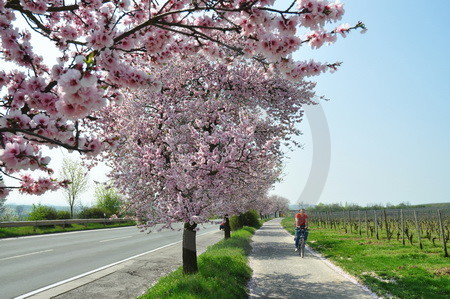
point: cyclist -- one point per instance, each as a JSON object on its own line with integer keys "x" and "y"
{"x": 301, "y": 222}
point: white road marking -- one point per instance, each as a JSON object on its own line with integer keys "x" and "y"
{"x": 22, "y": 255}
{"x": 115, "y": 239}
{"x": 65, "y": 233}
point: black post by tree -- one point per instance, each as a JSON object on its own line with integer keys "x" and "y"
{"x": 227, "y": 228}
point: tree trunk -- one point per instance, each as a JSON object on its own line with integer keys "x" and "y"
{"x": 227, "y": 228}
{"x": 189, "y": 249}
{"x": 71, "y": 209}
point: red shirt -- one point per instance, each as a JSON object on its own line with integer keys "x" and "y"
{"x": 300, "y": 219}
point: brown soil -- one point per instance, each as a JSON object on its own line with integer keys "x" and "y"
{"x": 443, "y": 271}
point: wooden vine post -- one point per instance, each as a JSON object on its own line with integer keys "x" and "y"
{"x": 376, "y": 225}
{"x": 350, "y": 221}
{"x": 403, "y": 226}
{"x": 441, "y": 226}
{"x": 328, "y": 220}
{"x": 359, "y": 216}
{"x": 367, "y": 223}
{"x": 418, "y": 230}
{"x": 386, "y": 224}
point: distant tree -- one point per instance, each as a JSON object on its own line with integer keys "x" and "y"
{"x": 41, "y": 212}
{"x": 304, "y": 205}
{"x": 335, "y": 207}
{"x": 2, "y": 205}
{"x": 91, "y": 213}
{"x": 62, "y": 214}
{"x": 72, "y": 171}
{"x": 7, "y": 214}
{"x": 20, "y": 212}
{"x": 108, "y": 199}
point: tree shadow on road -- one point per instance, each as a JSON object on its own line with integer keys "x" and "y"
{"x": 277, "y": 250}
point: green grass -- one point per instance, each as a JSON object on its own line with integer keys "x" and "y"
{"x": 10, "y": 232}
{"x": 223, "y": 272}
{"x": 387, "y": 267}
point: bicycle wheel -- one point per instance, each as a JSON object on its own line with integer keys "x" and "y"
{"x": 302, "y": 247}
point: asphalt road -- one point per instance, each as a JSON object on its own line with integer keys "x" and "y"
{"x": 30, "y": 263}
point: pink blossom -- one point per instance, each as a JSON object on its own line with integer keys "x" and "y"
{"x": 35, "y": 6}
{"x": 9, "y": 154}
{"x": 57, "y": 70}
{"x": 40, "y": 120}
{"x": 37, "y": 187}
{"x": 71, "y": 110}
{"x": 69, "y": 32}
{"x": 79, "y": 59}
{"x": 88, "y": 80}
{"x": 94, "y": 146}
{"x": 100, "y": 39}
{"x": 4, "y": 191}
{"x": 318, "y": 38}
{"x": 343, "y": 29}
{"x": 70, "y": 81}
{"x": 3, "y": 79}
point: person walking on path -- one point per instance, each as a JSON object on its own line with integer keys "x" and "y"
{"x": 280, "y": 273}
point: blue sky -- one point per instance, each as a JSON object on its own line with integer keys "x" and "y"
{"x": 389, "y": 109}
{"x": 388, "y": 114}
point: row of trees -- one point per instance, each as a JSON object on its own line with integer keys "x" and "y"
{"x": 188, "y": 101}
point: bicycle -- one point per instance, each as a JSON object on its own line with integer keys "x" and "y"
{"x": 301, "y": 242}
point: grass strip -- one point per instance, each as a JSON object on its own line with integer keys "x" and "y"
{"x": 10, "y": 232}
{"x": 223, "y": 272}
{"x": 386, "y": 267}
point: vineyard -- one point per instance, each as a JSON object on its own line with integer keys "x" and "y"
{"x": 418, "y": 227}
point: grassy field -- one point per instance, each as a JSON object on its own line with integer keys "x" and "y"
{"x": 388, "y": 268}
{"x": 223, "y": 272}
{"x": 10, "y": 232}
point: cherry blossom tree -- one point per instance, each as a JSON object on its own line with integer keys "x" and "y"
{"x": 48, "y": 103}
{"x": 208, "y": 143}
{"x": 266, "y": 207}
{"x": 280, "y": 204}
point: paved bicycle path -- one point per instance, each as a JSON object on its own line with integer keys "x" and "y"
{"x": 279, "y": 272}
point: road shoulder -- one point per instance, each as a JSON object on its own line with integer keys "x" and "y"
{"x": 129, "y": 278}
